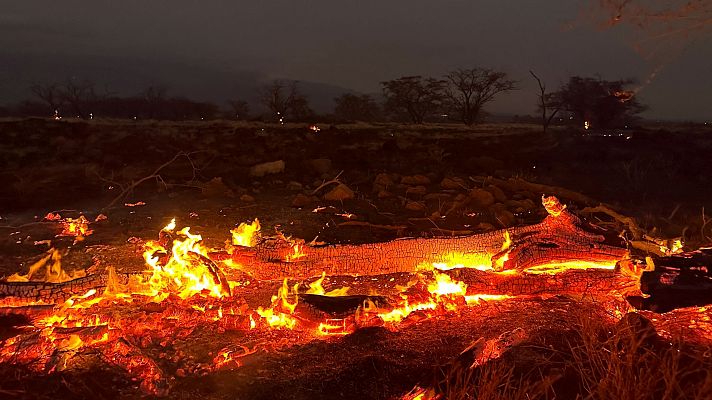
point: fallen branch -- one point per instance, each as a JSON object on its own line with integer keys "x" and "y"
{"x": 327, "y": 183}
{"x": 627, "y": 221}
{"x": 155, "y": 175}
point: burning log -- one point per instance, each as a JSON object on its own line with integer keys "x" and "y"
{"x": 562, "y": 241}
{"x": 562, "y": 238}
{"x": 58, "y": 292}
{"x": 680, "y": 280}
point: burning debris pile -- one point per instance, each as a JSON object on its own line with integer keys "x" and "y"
{"x": 144, "y": 322}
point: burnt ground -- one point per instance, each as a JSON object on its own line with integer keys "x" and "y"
{"x": 660, "y": 176}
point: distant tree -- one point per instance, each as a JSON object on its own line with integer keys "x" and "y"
{"x": 601, "y": 103}
{"x": 284, "y": 101}
{"x": 468, "y": 90}
{"x": 155, "y": 98}
{"x": 413, "y": 96}
{"x": 351, "y": 107}
{"x": 78, "y": 96}
{"x": 549, "y": 103}
{"x": 51, "y": 94}
{"x": 299, "y": 109}
{"x": 240, "y": 109}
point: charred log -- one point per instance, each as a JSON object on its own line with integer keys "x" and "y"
{"x": 681, "y": 280}
{"x": 57, "y": 292}
{"x": 340, "y": 305}
{"x": 562, "y": 237}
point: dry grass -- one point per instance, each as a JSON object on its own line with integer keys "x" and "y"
{"x": 594, "y": 361}
{"x": 493, "y": 381}
{"x": 629, "y": 362}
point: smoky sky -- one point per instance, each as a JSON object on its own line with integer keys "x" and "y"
{"x": 218, "y": 49}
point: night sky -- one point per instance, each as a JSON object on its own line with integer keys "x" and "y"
{"x": 215, "y": 50}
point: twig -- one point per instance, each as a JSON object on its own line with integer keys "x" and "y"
{"x": 155, "y": 175}
{"x": 327, "y": 183}
{"x": 628, "y": 221}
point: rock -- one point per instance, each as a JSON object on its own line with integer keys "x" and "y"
{"x": 268, "y": 168}
{"x": 481, "y": 198}
{"x": 301, "y": 200}
{"x": 415, "y": 180}
{"x": 216, "y": 188}
{"x": 525, "y": 204}
{"x": 320, "y": 165}
{"x": 460, "y": 198}
{"x": 484, "y": 226}
{"x": 455, "y": 183}
{"x": 416, "y": 191}
{"x": 438, "y": 196}
{"x": 497, "y": 193}
{"x": 294, "y": 186}
{"x": 528, "y": 204}
{"x": 415, "y": 206}
{"x": 339, "y": 193}
{"x": 247, "y": 198}
{"x": 503, "y": 216}
{"x": 384, "y": 194}
{"x": 382, "y": 182}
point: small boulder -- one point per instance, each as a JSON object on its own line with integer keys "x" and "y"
{"x": 455, "y": 183}
{"x": 415, "y": 206}
{"x": 438, "y": 197}
{"x": 339, "y": 193}
{"x": 497, "y": 193}
{"x": 416, "y": 191}
{"x": 384, "y": 194}
{"x": 481, "y": 198}
{"x": 504, "y": 217}
{"x": 268, "y": 168}
{"x": 382, "y": 182}
{"x": 247, "y": 198}
{"x": 320, "y": 165}
{"x": 415, "y": 180}
{"x": 301, "y": 200}
{"x": 294, "y": 186}
{"x": 216, "y": 188}
{"x": 484, "y": 226}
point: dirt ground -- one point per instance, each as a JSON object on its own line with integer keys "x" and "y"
{"x": 404, "y": 181}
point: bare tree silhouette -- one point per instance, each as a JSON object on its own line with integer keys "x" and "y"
{"x": 470, "y": 89}
{"x": 549, "y": 103}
